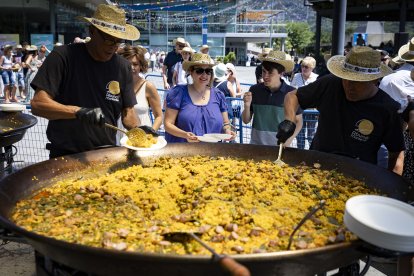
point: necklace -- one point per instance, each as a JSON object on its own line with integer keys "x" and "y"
{"x": 202, "y": 94}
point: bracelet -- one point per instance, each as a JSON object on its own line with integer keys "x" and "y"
{"x": 226, "y": 124}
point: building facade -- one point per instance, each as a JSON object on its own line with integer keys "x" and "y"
{"x": 225, "y": 25}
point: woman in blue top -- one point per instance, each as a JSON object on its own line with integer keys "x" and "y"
{"x": 196, "y": 109}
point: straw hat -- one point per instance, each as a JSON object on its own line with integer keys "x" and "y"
{"x": 179, "y": 40}
{"x": 111, "y": 20}
{"x": 360, "y": 64}
{"x": 265, "y": 52}
{"x": 203, "y": 47}
{"x": 18, "y": 46}
{"x": 231, "y": 68}
{"x": 31, "y": 48}
{"x": 187, "y": 50}
{"x": 279, "y": 57}
{"x": 397, "y": 61}
{"x": 220, "y": 72}
{"x": 406, "y": 51}
{"x": 198, "y": 59}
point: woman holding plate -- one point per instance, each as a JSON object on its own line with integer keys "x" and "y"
{"x": 196, "y": 109}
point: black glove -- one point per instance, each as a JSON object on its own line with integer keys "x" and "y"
{"x": 149, "y": 130}
{"x": 285, "y": 130}
{"x": 92, "y": 116}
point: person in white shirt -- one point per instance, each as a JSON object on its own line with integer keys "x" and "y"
{"x": 180, "y": 75}
{"x": 306, "y": 75}
{"x": 153, "y": 61}
{"x": 300, "y": 79}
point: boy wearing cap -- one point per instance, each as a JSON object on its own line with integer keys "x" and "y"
{"x": 81, "y": 86}
{"x": 355, "y": 116}
{"x": 264, "y": 101}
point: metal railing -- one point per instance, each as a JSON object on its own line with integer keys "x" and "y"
{"x": 32, "y": 148}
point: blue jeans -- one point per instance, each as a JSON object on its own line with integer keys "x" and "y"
{"x": 9, "y": 78}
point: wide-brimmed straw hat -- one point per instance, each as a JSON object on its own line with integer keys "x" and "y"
{"x": 406, "y": 51}
{"x": 187, "y": 50}
{"x": 112, "y": 21}
{"x": 265, "y": 52}
{"x": 397, "y": 61}
{"x": 198, "y": 59}
{"x": 279, "y": 57}
{"x": 360, "y": 64}
{"x": 179, "y": 40}
{"x": 203, "y": 47}
{"x": 220, "y": 72}
{"x": 31, "y": 48}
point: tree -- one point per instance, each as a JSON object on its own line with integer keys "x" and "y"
{"x": 299, "y": 35}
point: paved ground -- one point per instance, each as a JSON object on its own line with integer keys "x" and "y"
{"x": 17, "y": 259}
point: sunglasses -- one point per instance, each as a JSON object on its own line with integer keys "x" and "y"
{"x": 200, "y": 71}
{"x": 180, "y": 45}
{"x": 110, "y": 42}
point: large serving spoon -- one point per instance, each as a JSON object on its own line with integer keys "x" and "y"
{"x": 279, "y": 161}
{"x": 135, "y": 135}
{"x": 226, "y": 262}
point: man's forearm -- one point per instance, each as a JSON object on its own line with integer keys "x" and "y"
{"x": 44, "y": 106}
{"x": 291, "y": 106}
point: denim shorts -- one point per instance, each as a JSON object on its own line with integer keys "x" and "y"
{"x": 9, "y": 78}
{"x": 20, "y": 78}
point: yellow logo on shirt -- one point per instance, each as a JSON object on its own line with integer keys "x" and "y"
{"x": 365, "y": 127}
{"x": 113, "y": 87}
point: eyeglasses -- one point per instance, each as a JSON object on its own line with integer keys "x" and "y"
{"x": 109, "y": 42}
{"x": 305, "y": 67}
{"x": 200, "y": 71}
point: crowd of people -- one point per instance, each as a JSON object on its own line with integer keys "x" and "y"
{"x": 19, "y": 65}
{"x": 197, "y": 89}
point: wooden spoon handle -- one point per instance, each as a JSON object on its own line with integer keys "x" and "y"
{"x": 235, "y": 268}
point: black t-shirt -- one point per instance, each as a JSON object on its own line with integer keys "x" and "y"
{"x": 355, "y": 129}
{"x": 72, "y": 77}
{"x": 170, "y": 60}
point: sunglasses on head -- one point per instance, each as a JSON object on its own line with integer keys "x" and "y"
{"x": 200, "y": 71}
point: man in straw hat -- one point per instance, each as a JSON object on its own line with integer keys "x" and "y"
{"x": 265, "y": 100}
{"x": 258, "y": 71}
{"x": 400, "y": 87}
{"x": 355, "y": 116}
{"x": 170, "y": 60}
{"x": 81, "y": 86}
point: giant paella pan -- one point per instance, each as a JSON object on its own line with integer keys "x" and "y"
{"x": 103, "y": 261}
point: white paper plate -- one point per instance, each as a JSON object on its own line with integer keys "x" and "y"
{"x": 161, "y": 142}
{"x": 12, "y": 107}
{"x": 208, "y": 139}
{"x": 221, "y": 136}
{"x": 382, "y": 221}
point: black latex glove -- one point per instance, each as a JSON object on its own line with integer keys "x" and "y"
{"x": 285, "y": 130}
{"x": 149, "y": 130}
{"x": 93, "y": 116}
